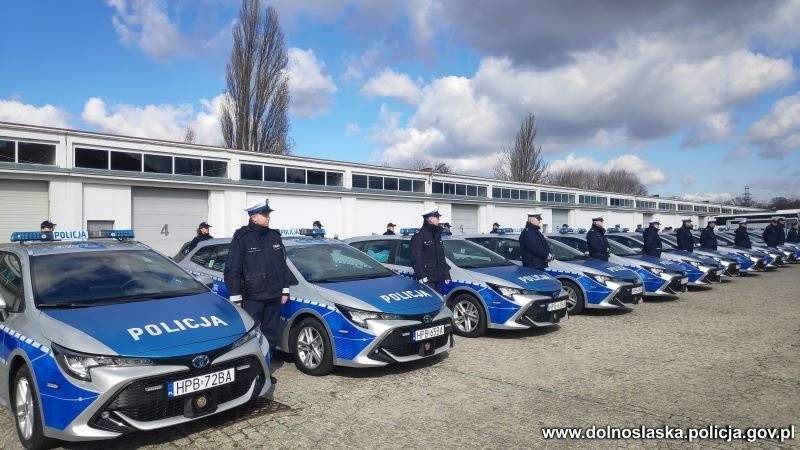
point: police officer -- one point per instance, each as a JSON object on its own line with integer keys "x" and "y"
{"x": 652, "y": 243}
{"x": 793, "y": 235}
{"x": 389, "y": 229}
{"x": 708, "y": 239}
{"x": 202, "y": 235}
{"x": 256, "y": 273}
{"x": 781, "y": 230}
{"x": 770, "y": 234}
{"x": 741, "y": 238}
{"x": 427, "y": 252}
{"x": 685, "y": 239}
{"x": 639, "y": 228}
{"x": 495, "y": 228}
{"x": 47, "y": 229}
{"x": 533, "y": 245}
{"x": 597, "y": 240}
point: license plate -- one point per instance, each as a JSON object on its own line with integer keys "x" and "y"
{"x": 738, "y": 266}
{"x": 427, "y": 333}
{"x": 636, "y": 290}
{"x": 684, "y": 280}
{"x": 555, "y": 306}
{"x": 720, "y": 271}
{"x": 200, "y": 383}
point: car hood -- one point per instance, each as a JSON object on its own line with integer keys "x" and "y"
{"x": 522, "y": 277}
{"x": 159, "y": 328}
{"x": 598, "y": 267}
{"x": 651, "y": 261}
{"x": 395, "y": 295}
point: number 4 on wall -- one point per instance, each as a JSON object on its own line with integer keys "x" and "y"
{"x": 165, "y": 230}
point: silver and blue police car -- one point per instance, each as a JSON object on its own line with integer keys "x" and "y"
{"x": 102, "y": 338}
{"x": 589, "y": 283}
{"x": 486, "y": 290}
{"x": 345, "y": 309}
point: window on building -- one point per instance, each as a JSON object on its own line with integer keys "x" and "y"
{"x": 7, "y": 151}
{"x": 274, "y": 173}
{"x": 684, "y": 207}
{"x": 188, "y": 166}
{"x": 254, "y": 172}
{"x": 295, "y": 175}
{"x": 35, "y": 153}
{"x": 131, "y": 162}
{"x": 472, "y": 191}
{"x": 158, "y": 164}
{"x": 481, "y": 191}
{"x": 419, "y": 186}
{"x": 437, "y": 187}
{"x": 390, "y": 183}
{"x": 315, "y": 177}
{"x": 94, "y": 227}
{"x": 360, "y": 181}
{"x": 334, "y": 178}
{"x": 91, "y": 159}
{"x": 375, "y": 182}
{"x": 405, "y": 185}
{"x": 212, "y": 168}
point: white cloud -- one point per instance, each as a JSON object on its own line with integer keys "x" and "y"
{"x": 687, "y": 180}
{"x": 389, "y": 83}
{"x": 712, "y": 197}
{"x": 712, "y": 128}
{"x": 778, "y": 133}
{"x": 310, "y": 87}
{"x": 647, "y": 174}
{"x": 47, "y": 115}
{"x": 167, "y": 122}
{"x": 352, "y": 129}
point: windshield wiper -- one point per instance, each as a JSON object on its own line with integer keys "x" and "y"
{"x": 64, "y": 305}
{"x": 349, "y": 278}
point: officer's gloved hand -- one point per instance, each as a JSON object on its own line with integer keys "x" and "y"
{"x": 424, "y": 280}
{"x": 447, "y": 281}
{"x": 549, "y": 257}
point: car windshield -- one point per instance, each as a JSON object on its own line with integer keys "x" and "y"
{"x": 564, "y": 252}
{"x": 629, "y": 242}
{"x": 331, "y": 263}
{"x": 469, "y": 255}
{"x": 107, "y": 277}
{"x": 620, "y": 250}
{"x": 724, "y": 241}
{"x": 755, "y": 238}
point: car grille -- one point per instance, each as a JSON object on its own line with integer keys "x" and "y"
{"x": 399, "y": 342}
{"x": 537, "y": 312}
{"x": 624, "y": 295}
{"x": 136, "y": 402}
{"x": 676, "y": 286}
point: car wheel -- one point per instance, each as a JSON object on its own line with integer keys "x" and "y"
{"x": 575, "y": 298}
{"x": 313, "y": 352}
{"x": 25, "y": 406}
{"x": 469, "y": 319}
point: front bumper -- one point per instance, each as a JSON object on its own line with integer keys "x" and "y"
{"x": 136, "y": 399}
{"x": 621, "y": 296}
{"x": 538, "y": 313}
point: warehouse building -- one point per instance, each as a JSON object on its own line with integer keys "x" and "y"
{"x": 86, "y": 181}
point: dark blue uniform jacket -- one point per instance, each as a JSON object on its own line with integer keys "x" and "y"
{"x": 427, "y": 254}
{"x": 256, "y": 268}
{"x": 685, "y": 240}
{"x": 770, "y": 235}
{"x": 652, "y": 243}
{"x": 534, "y": 247}
{"x": 708, "y": 239}
{"x": 793, "y": 235}
{"x": 741, "y": 238}
{"x": 598, "y": 243}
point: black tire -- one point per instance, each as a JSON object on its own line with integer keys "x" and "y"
{"x": 311, "y": 345}
{"x": 28, "y": 410}
{"x": 576, "y": 302}
{"x": 469, "y": 318}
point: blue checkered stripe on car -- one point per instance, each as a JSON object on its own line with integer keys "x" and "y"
{"x": 348, "y": 339}
{"x": 61, "y": 401}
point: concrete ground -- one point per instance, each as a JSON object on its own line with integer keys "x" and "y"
{"x": 725, "y": 356}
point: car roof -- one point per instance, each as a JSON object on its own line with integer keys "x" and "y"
{"x": 61, "y": 247}
{"x": 288, "y": 241}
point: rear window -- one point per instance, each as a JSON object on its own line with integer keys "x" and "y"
{"x": 107, "y": 277}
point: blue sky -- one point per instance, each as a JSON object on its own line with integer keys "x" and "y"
{"x": 698, "y": 98}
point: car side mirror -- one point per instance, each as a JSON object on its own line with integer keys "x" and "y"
{"x": 3, "y": 308}
{"x": 206, "y": 280}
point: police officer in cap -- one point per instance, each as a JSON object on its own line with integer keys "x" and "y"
{"x": 389, "y": 229}
{"x": 793, "y": 235}
{"x": 741, "y": 238}
{"x": 781, "y": 230}
{"x": 770, "y": 234}
{"x": 202, "y": 235}
{"x": 533, "y": 245}
{"x": 427, "y": 252}
{"x": 708, "y": 239}
{"x": 652, "y": 243}
{"x": 256, "y": 273}
{"x": 495, "y": 228}
{"x": 47, "y": 229}
{"x": 597, "y": 240}
{"x": 685, "y": 239}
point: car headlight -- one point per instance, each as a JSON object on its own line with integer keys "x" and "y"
{"x": 506, "y": 291}
{"x": 602, "y": 279}
{"x": 655, "y": 270}
{"x": 360, "y": 317}
{"x": 254, "y": 333}
{"x": 694, "y": 263}
{"x": 79, "y": 365}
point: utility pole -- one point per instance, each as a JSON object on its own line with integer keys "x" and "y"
{"x": 746, "y": 196}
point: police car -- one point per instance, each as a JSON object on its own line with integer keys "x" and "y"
{"x": 106, "y": 337}
{"x": 589, "y": 283}
{"x": 345, "y": 309}
{"x": 661, "y": 277}
{"x": 763, "y": 260}
{"x": 486, "y": 291}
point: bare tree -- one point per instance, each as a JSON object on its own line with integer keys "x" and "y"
{"x": 522, "y": 161}
{"x": 419, "y": 164}
{"x": 255, "y": 111}
{"x": 189, "y": 136}
{"x": 617, "y": 180}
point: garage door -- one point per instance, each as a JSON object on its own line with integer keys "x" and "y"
{"x": 23, "y": 206}
{"x": 166, "y": 218}
{"x": 465, "y": 219}
{"x": 560, "y": 217}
